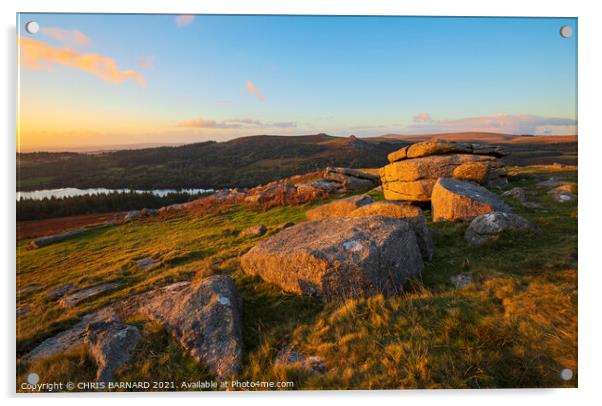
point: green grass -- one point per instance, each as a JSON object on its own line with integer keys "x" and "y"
{"x": 515, "y": 327}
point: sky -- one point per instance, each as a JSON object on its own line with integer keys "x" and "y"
{"x": 94, "y": 80}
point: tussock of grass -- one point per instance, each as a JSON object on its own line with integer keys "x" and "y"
{"x": 516, "y": 326}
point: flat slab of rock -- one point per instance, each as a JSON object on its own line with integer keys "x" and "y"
{"x": 455, "y": 199}
{"x": 75, "y": 298}
{"x": 338, "y": 257}
{"x": 205, "y": 318}
{"x": 146, "y": 263}
{"x": 355, "y": 173}
{"x": 53, "y": 239}
{"x": 60, "y": 291}
{"x": 339, "y": 208}
{"x": 487, "y": 227}
{"x": 400, "y": 210}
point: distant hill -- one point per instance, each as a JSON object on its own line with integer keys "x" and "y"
{"x": 484, "y": 137}
{"x": 242, "y": 162}
{"x": 253, "y": 160}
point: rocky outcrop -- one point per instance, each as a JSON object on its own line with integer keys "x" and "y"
{"x": 413, "y": 170}
{"x": 487, "y": 227}
{"x": 338, "y": 257}
{"x": 205, "y": 318}
{"x": 339, "y": 208}
{"x": 400, "y": 210}
{"x": 454, "y": 200}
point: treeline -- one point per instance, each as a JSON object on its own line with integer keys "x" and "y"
{"x": 30, "y": 209}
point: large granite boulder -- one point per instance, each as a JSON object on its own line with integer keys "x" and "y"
{"x": 338, "y": 208}
{"x": 455, "y": 199}
{"x": 413, "y": 170}
{"x": 404, "y": 211}
{"x": 487, "y": 227}
{"x": 338, "y": 257}
{"x": 205, "y": 318}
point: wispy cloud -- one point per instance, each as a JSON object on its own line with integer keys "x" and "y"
{"x": 38, "y": 55}
{"x": 146, "y": 62}
{"x": 422, "y": 117}
{"x": 184, "y": 20}
{"x": 234, "y": 123}
{"x": 499, "y": 123}
{"x": 71, "y": 38}
{"x": 255, "y": 90}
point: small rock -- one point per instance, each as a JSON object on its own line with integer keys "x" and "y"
{"x": 521, "y": 195}
{"x": 461, "y": 280}
{"x": 288, "y": 357}
{"x": 489, "y": 226}
{"x": 552, "y": 182}
{"x": 29, "y": 288}
{"x": 75, "y": 298}
{"x": 254, "y": 231}
{"x": 146, "y": 263}
{"x": 562, "y": 196}
{"x": 132, "y": 215}
{"x": 60, "y": 291}
{"x": 454, "y": 199}
{"x": 23, "y": 310}
{"x": 149, "y": 212}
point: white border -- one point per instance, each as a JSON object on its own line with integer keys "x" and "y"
{"x": 590, "y": 147}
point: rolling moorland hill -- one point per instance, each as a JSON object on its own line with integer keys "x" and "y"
{"x": 253, "y": 160}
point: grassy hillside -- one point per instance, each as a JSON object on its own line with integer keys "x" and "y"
{"x": 515, "y": 327}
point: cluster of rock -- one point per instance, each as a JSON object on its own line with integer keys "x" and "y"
{"x": 413, "y": 170}
{"x": 204, "y": 317}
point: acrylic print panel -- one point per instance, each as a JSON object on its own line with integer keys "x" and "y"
{"x": 220, "y": 202}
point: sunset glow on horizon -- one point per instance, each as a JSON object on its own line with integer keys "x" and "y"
{"x": 93, "y": 80}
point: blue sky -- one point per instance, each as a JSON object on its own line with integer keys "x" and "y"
{"x": 185, "y": 79}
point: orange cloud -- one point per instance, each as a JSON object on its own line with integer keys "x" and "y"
{"x": 67, "y": 37}
{"x": 253, "y": 89}
{"x": 184, "y": 20}
{"x": 37, "y": 55}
